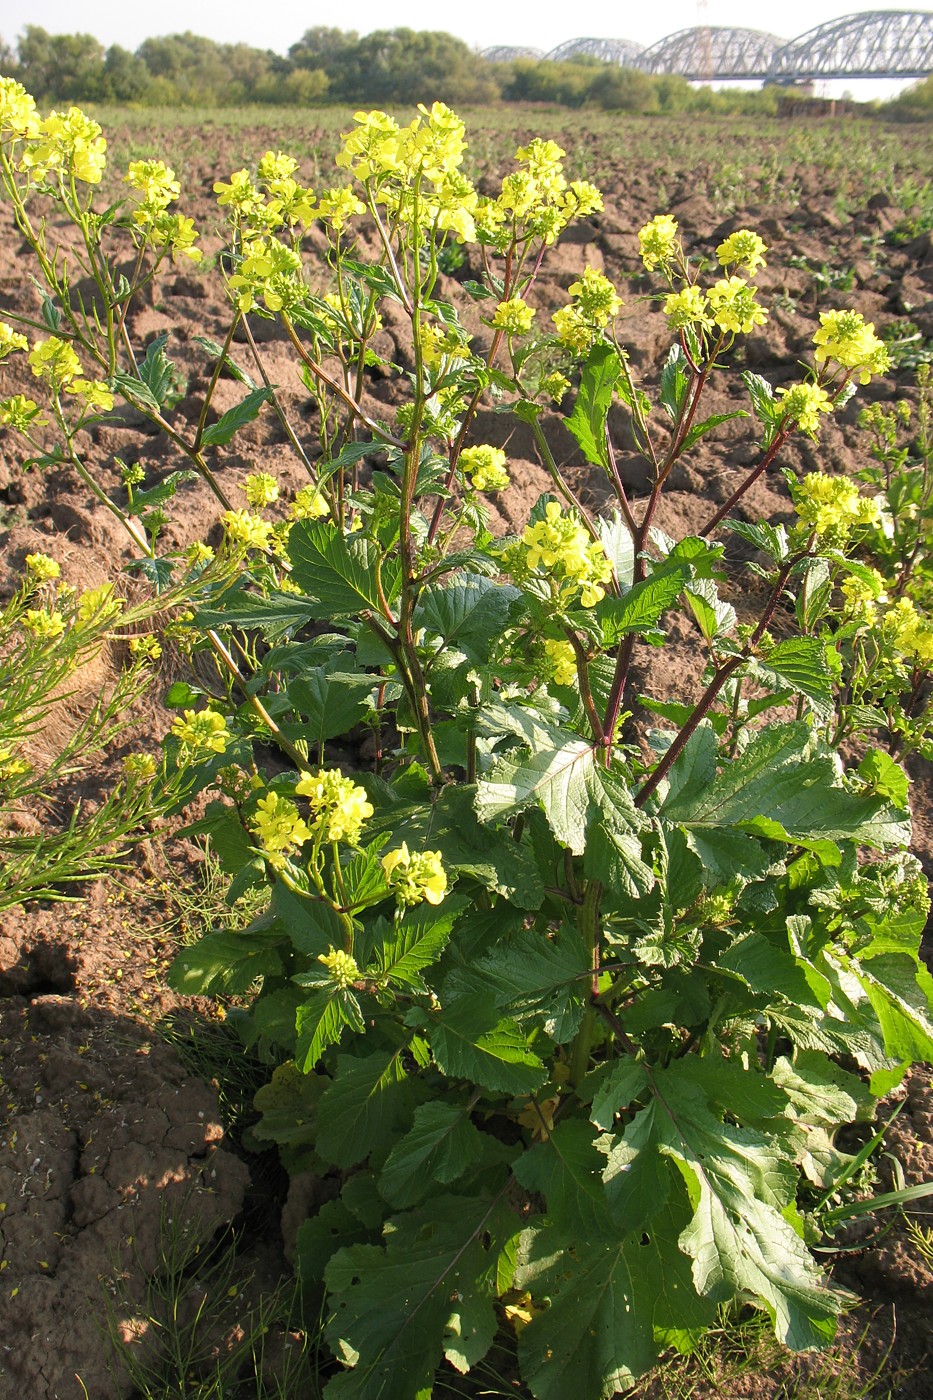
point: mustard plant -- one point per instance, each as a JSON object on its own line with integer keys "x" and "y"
{"x": 565, "y": 991}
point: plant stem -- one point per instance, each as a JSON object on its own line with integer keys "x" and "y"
{"x": 588, "y": 924}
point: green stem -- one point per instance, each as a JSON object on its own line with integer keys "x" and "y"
{"x": 588, "y": 924}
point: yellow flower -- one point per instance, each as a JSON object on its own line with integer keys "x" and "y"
{"x": 732, "y": 302}
{"x": 555, "y": 386}
{"x": 803, "y": 403}
{"x": 850, "y": 340}
{"x": 98, "y": 605}
{"x": 20, "y": 413}
{"x": 513, "y": 316}
{"x": 137, "y": 767}
{"x": 42, "y": 568}
{"x": 95, "y": 393}
{"x": 832, "y": 507}
{"x": 202, "y": 729}
{"x": 414, "y": 877}
{"x": 373, "y": 148}
{"x": 44, "y": 624}
{"x": 742, "y": 248}
{"x": 309, "y": 504}
{"x": 597, "y": 298}
{"x": 271, "y": 271}
{"x": 687, "y": 307}
{"x": 342, "y": 967}
{"x": 657, "y": 241}
{"x": 338, "y": 805}
{"x": 574, "y": 330}
{"x": 55, "y": 360}
{"x": 339, "y": 205}
{"x": 18, "y": 114}
{"x": 178, "y": 233}
{"x": 862, "y": 597}
{"x": 562, "y": 662}
{"x": 562, "y": 547}
{"x": 10, "y": 340}
{"x": 278, "y": 825}
{"x": 154, "y": 181}
{"x": 246, "y": 530}
{"x": 145, "y": 647}
{"x": 198, "y": 554}
{"x": 485, "y": 467}
{"x": 70, "y": 142}
{"x": 240, "y": 194}
{"x": 261, "y": 489}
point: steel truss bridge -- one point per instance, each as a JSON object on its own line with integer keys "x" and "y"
{"x": 871, "y": 44}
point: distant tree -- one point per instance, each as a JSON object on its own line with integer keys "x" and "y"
{"x": 914, "y": 104}
{"x": 302, "y": 87}
{"x": 204, "y": 72}
{"x": 404, "y": 65}
{"x": 126, "y": 78}
{"x": 60, "y": 67}
{"x": 319, "y": 47}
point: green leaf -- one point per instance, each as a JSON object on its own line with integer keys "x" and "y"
{"x": 587, "y": 422}
{"x": 224, "y": 964}
{"x": 272, "y": 614}
{"x": 740, "y": 1239}
{"x": 367, "y": 1100}
{"x": 468, "y": 614}
{"x": 675, "y": 380}
{"x": 770, "y": 539}
{"x": 714, "y": 617}
{"x": 885, "y": 777}
{"x": 320, "y": 1022}
{"x": 214, "y": 348}
{"x": 338, "y": 573}
{"x": 414, "y": 942}
{"x": 471, "y": 1041}
{"x": 800, "y": 665}
{"x": 530, "y": 975}
{"x": 567, "y": 1169}
{"x": 135, "y": 391}
{"x": 330, "y": 702}
{"x": 614, "y": 1087}
{"x": 616, "y": 539}
{"x": 157, "y": 572}
{"x": 605, "y": 1302}
{"x": 160, "y": 375}
{"x": 441, "y": 1145}
{"x": 785, "y": 782}
{"x": 701, "y": 429}
{"x": 821, "y": 1092}
{"x": 766, "y": 410}
{"x": 246, "y": 411}
{"x": 639, "y": 609}
{"x": 397, "y": 1309}
{"x": 557, "y": 778}
{"x": 900, "y": 993}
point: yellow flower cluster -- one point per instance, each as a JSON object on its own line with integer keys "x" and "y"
{"x": 44, "y": 623}
{"x": 338, "y": 805}
{"x": 560, "y": 545}
{"x": 909, "y": 633}
{"x": 848, "y": 339}
{"x": 139, "y": 767}
{"x": 342, "y": 967}
{"x": 69, "y": 144}
{"x": 862, "y": 597}
{"x": 145, "y": 647}
{"x": 832, "y": 507}
{"x": 20, "y": 413}
{"x": 156, "y": 183}
{"x": 742, "y": 249}
{"x": 595, "y": 303}
{"x": 202, "y": 731}
{"x": 18, "y": 115}
{"x": 562, "y": 662}
{"x": 54, "y": 360}
{"x": 733, "y": 306}
{"x": 485, "y": 467}
{"x": 98, "y": 605}
{"x": 415, "y": 876}
{"x": 261, "y": 489}
{"x": 271, "y": 272}
{"x": 278, "y": 825}
{"x": 803, "y": 403}
{"x": 688, "y": 307}
{"x": 514, "y": 316}
{"x": 41, "y": 568}
{"x": 440, "y": 345}
{"x": 10, "y": 340}
{"x": 247, "y": 530}
{"x": 309, "y": 504}
{"x": 657, "y": 241}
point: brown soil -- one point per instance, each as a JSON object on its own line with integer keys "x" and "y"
{"x": 104, "y": 1130}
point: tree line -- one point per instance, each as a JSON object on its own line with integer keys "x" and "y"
{"x": 336, "y": 66}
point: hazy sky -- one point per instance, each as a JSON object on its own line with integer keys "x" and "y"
{"x": 481, "y": 23}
